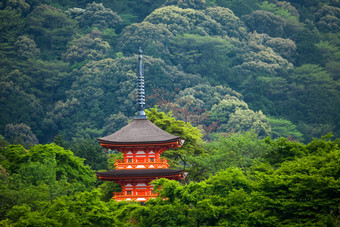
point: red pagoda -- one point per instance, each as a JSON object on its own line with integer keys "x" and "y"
{"x": 142, "y": 143}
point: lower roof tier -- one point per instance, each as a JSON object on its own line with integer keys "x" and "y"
{"x": 140, "y": 174}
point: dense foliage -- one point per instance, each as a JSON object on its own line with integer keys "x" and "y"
{"x": 239, "y": 179}
{"x": 244, "y": 82}
{"x": 225, "y": 66}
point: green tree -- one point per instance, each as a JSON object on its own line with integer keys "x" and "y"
{"x": 283, "y": 150}
{"x": 233, "y": 26}
{"x": 35, "y": 178}
{"x": 208, "y": 94}
{"x": 49, "y": 79}
{"x": 257, "y": 59}
{"x": 304, "y": 191}
{"x": 284, "y": 128}
{"x": 327, "y": 18}
{"x": 272, "y": 24}
{"x": 20, "y": 6}
{"x": 153, "y": 38}
{"x": 179, "y": 157}
{"x": 52, "y": 29}
{"x": 193, "y": 4}
{"x": 240, "y": 150}
{"x": 26, "y": 47}
{"x": 20, "y": 134}
{"x": 221, "y": 112}
{"x": 238, "y": 7}
{"x": 92, "y": 153}
{"x": 312, "y": 97}
{"x": 285, "y": 47}
{"x": 89, "y": 47}
{"x": 11, "y": 25}
{"x": 184, "y": 21}
{"x": 97, "y": 16}
{"x": 68, "y": 165}
{"x": 84, "y": 208}
{"x": 114, "y": 122}
{"x": 17, "y": 106}
{"x": 204, "y": 55}
{"x": 247, "y": 120}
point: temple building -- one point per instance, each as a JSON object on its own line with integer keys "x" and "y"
{"x": 141, "y": 143}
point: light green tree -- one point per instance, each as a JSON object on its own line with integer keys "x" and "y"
{"x": 97, "y": 16}
{"x": 88, "y": 47}
{"x": 243, "y": 120}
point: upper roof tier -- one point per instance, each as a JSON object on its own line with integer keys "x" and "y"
{"x": 140, "y": 131}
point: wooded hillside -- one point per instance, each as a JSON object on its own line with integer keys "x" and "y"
{"x": 68, "y": 67}
{"x": 252, "y": 86}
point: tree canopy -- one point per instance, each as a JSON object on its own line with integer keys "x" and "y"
{"x": 244, "y": 83}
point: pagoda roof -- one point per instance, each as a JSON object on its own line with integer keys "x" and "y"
{"x": 139, "y": 131}
{"x": 139, "y": 173}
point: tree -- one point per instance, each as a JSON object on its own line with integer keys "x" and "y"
{"x": 92, "y": 153}
{"x": 240, "y": 150}
{"x": 247, "y": 120}
{"x": 20, "y": 134}
{"x": 193, "y": 4}
{"x": 38, "y": 176}
{"x": 257, "y": 59}
{"x": 114, "y": 122}
{"x": 238, "y": 7}
{"x": 310, "y": 95}
{"x": 285, "y": 47}
{"x": 17, "y": 106}
{"x": 97, "y": 16}
{"x": 283, "y": 150}
{"x": 52, "y": 29}
{"x": 209, "y": 95}
{"x": 303, "y": 190}
{"x": 284, "y": 128}
{"x": 19, "y": 5}
{"x": 153, "y": 38}
{"x": 89, "y": 47}
{"x": 204, "y": 55}
{"x": 229, "y": 22}
{"x": 221, "y": 112}
{"x": 26, "y": 47}
{"x": 11, "y": 25}
{"x": 84, "y": 208}
{"x": 184, "y": 21}
{"x": 327, "y": 18}
{"x": 60, "y": 117}
{"x": 274, "y": 21}
{"x": 265, "y": 22}
{"x": 179, "y": 157}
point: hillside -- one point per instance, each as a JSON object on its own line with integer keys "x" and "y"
{"x": 252, "y": 86}
{"x": 68, "y": 67}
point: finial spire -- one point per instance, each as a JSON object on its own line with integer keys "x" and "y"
{"x": 141, "y": 92}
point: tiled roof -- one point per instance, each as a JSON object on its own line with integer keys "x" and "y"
{"x": 139, "y": 131}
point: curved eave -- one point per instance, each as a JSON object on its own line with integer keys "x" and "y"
{"x": 140, "y": 174}
{"x": 113, "y": 144}
{"x": 170, "y": 177}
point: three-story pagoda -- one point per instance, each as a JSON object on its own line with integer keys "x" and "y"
{"x": 141, "y": 143}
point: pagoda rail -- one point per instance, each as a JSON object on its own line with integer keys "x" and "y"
{"x": 119, "y": 195}
{"x": 122, "y": 164}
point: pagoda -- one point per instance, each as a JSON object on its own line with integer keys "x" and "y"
{"x": 141, "y": 143}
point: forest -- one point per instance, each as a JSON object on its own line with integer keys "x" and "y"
{"x": 252, "y": 86}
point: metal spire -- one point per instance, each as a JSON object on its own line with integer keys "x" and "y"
{"x": 141, "y": 92}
